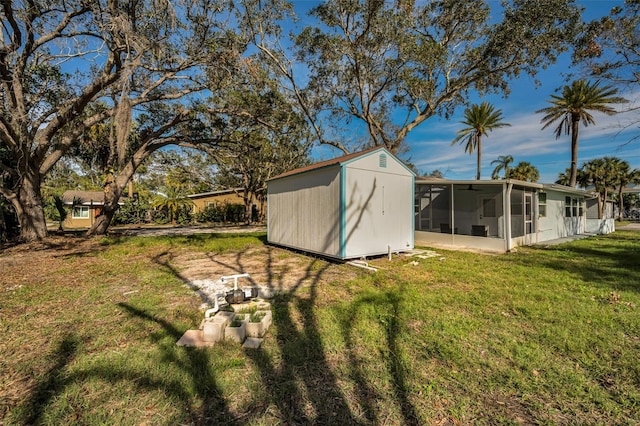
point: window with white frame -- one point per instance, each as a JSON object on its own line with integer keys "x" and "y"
{"x": 542, "y": 204}
{"x": 80, "y": 212}
{"x": 581, "y": 204}
{"x": 573, "y": 206}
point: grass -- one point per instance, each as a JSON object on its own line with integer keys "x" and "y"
{"x": 541, "y": 336}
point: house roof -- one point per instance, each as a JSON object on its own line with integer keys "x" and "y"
{"x": 568, "y": 189}
{"x": 441, "y": 181}
{"x": 548, "y": 186}
{"x": 214, "y": 193}
{"x": 631, "y": 190}
{"x": 85, "y": 198}
{"x": 328, "y": 163}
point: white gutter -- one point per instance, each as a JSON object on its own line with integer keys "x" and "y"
{"x": 453, "y": 223}
{"x": 507, "y": 216}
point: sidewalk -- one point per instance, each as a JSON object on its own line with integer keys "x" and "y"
{"x": 629, "y": 227}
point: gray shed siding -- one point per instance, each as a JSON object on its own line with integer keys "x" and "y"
{"x": 353, "y": 206}
{"x": 379, "y": 207}
{"x": 304, "y": 213}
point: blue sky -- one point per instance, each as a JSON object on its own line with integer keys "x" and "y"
{"x": 430, "y": 143}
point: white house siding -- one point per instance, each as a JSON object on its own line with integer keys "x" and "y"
{"x": 304, "y": 211}
{"x": 600, "y": 226}
{"x": 555, "y": 224}
{"x": 378, "y": 205}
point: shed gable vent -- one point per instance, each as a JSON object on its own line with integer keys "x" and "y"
{"x": 383, "y": 161}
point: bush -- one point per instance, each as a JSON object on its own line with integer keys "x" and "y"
{"x": 222, "y": 213}
{"x": 130, "y": 212}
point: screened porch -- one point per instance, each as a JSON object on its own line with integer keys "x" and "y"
{"x": 489, "y": 215}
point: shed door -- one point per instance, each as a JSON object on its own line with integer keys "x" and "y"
{"x": 379, "y": 211}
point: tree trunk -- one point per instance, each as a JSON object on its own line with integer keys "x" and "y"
{"x": 600, "y": 207}
{"x": 248, "y": 203}
{"x": 479, "y": 156}
{"x": 604, "y": 205}
{"x": 103, "y": 220}
{"x": 575, "y": 125}
{"x": 3, "y": 225}
{"x": 113, "y": 189}
{"x": 620, "y": 205}
{"x": 28, "y": 205}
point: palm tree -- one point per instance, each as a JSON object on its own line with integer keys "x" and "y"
{"x": 524, "y": 171}
{"x": 173, "y": 201}
{"x": 600, "y": 173}
{"x": 479, "y": 120}
{"x": 563, "y": 177}
{"x": 502, "y": 162}
{"x": 573, "y": 107}
{"x": 623, "y": 176}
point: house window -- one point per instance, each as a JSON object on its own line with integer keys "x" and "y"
{"x": 581, "y": 207}
{"x": 80, "y": 213}
{"x": 573, "y": 207}
{"x": 383, "y": 161}
{"x": 542, "y": 204}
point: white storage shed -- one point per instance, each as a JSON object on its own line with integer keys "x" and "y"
{"x": 353, "y": 206}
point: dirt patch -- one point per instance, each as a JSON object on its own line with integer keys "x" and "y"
{"x": 275, "y": 268}
{"x": 32, "y": 262}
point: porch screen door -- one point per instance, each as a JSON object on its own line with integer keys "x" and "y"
{"x": 528, "y": 216}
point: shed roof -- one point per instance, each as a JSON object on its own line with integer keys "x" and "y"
{"x": 328, "y": 163}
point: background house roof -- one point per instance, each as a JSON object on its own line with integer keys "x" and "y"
{"x": 85, "y": 198}
{"x": 631, "y": 190}
{"x": 214, "y": 193}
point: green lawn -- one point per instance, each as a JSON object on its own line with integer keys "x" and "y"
{"x": 541, "y": 336}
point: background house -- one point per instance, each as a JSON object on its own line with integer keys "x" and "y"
{"x": 85, "y": 206}
{"x": 349, "y": 207}
{"x": 203, "y": 200}
{"x": 224, "y": 199}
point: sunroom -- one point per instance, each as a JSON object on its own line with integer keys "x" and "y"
{"x": 492, "y": 215}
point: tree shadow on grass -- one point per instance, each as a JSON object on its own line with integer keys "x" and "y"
{"x": 59, "y": 376}
{"x": 197, "y": 366}
{"x": 302, "y": 385}
{"x": 606, "y": 262}
{"x": 389, "y": 302}
{"x": 53, "y": 381}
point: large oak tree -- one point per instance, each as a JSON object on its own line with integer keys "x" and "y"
{"x": 59, "y": 57}
{"x": 387, "y": 67}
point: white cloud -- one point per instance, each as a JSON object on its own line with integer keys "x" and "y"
{"x": 526, "y": 141}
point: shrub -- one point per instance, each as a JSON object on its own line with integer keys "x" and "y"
{"x": 222, "y": 213}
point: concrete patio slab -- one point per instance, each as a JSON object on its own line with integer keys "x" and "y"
{"x": 193, "y": 338}
{"x": 252, "y": 343}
